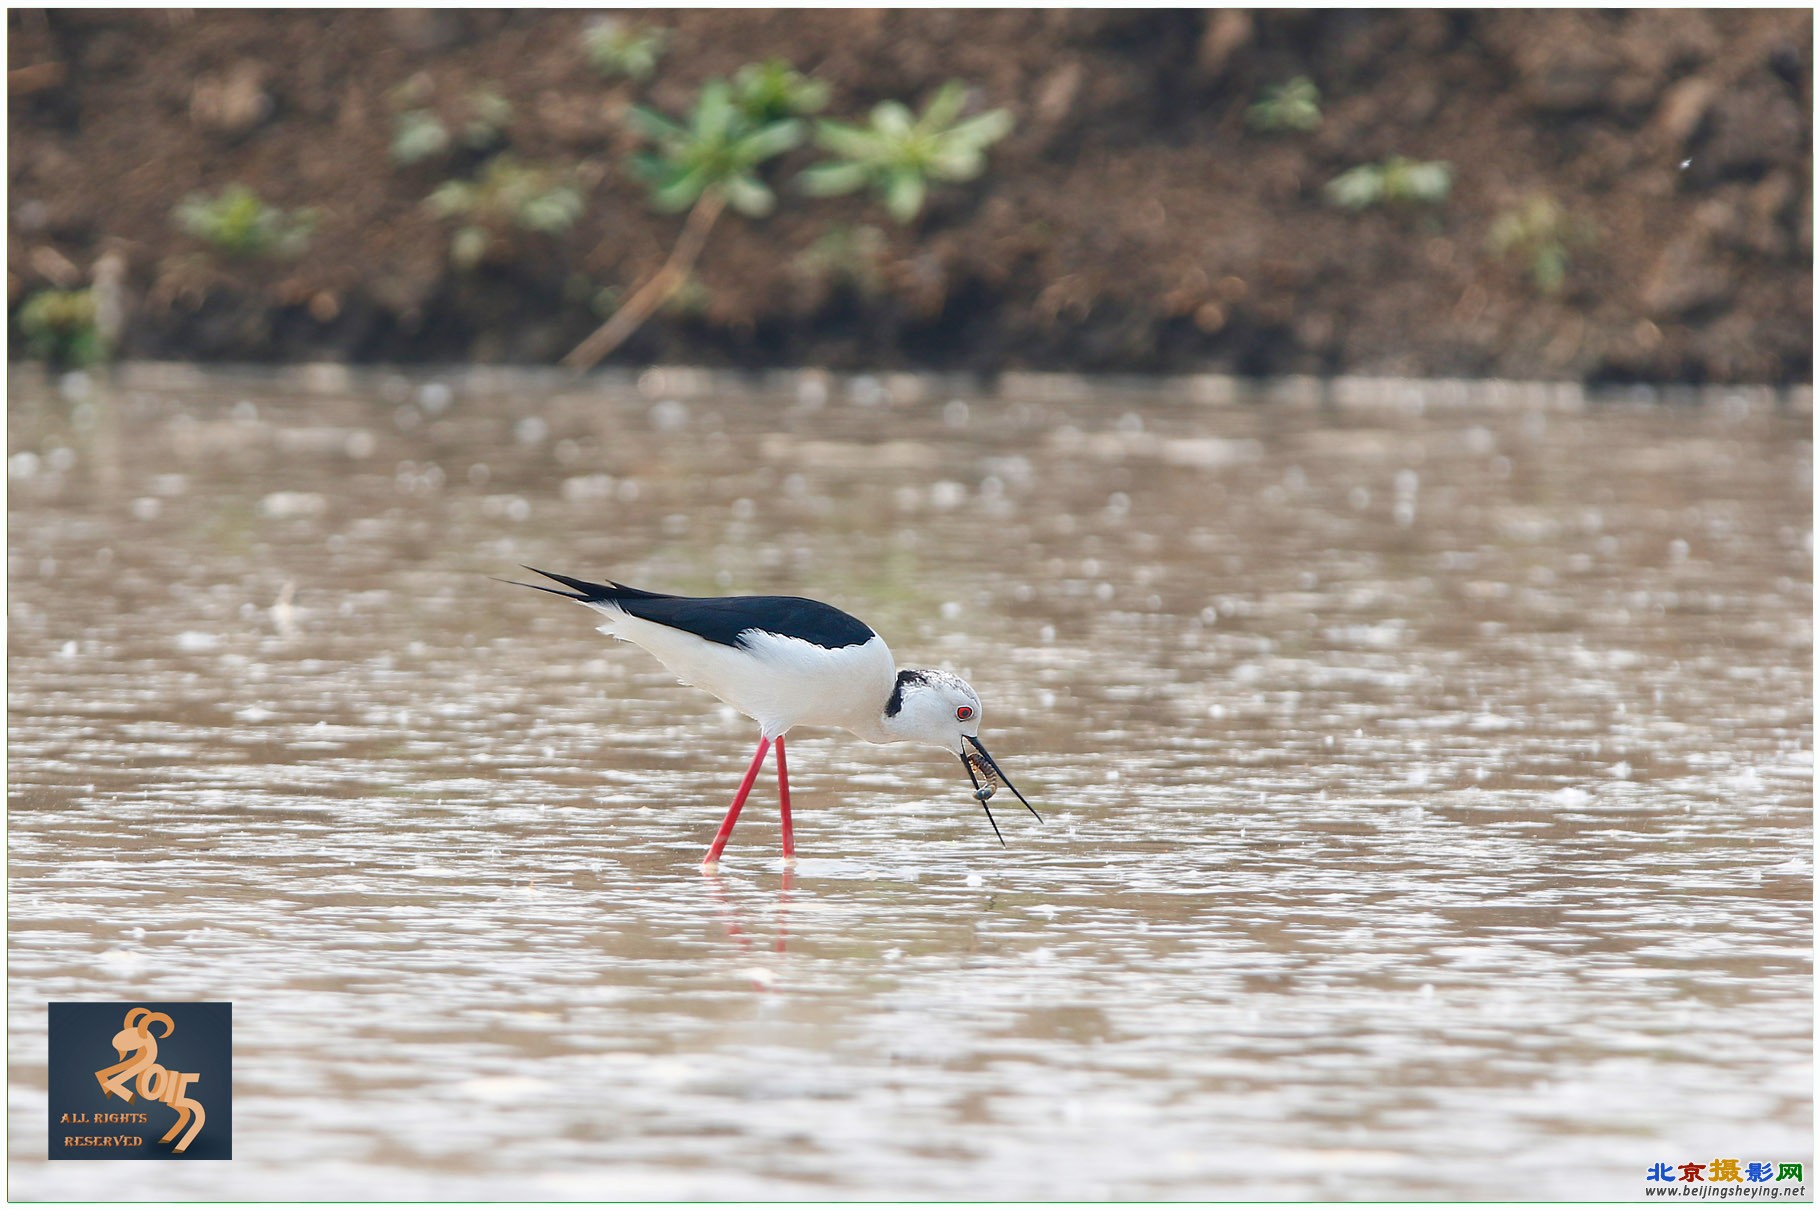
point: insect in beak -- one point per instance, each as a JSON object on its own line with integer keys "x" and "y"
{"x": 979, "y": 763}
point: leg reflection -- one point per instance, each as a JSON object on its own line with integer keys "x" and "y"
{"x": 732, "y": 917}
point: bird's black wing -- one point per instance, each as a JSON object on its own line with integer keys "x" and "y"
{"x": 723, "y": 619}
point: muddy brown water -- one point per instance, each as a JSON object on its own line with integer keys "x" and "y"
{"x": 1427, "y": 772}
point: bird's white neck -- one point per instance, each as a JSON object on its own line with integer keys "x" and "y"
{"x": 921, "y": 710}
{"x": 890, "y": 729}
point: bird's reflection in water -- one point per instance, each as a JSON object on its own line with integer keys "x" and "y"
{"x": 731, "y": 917}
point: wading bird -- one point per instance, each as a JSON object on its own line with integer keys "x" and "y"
{"x": 789, "y": 662}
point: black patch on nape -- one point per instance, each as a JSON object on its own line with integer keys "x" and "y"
{"x": 909, "y": 676}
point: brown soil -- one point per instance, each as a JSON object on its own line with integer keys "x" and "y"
{"x": 1133, "y": 221}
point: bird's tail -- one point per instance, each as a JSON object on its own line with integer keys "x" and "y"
{"x": 585, "y": 591}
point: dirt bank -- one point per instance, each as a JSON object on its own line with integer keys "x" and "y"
{"x": 1134, "y": 220}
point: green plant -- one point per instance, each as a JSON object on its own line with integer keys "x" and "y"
{"x": 418, "y": 134}
{"x": 59, "y": 326}
{"x": 703, "y": 166}
{"x": 240, "y": 223}
{"x": 421, "y": 134}
{"x": 616, "y": 48}
{"x": 849, "y": 256}
{"x": 898, "y": 155}
{"x": 1395, "y": 181}
{"x": 717, "y": 151}
{"x": 773, "y": 90}
{"x": 1541, "y": 234}
{"x": 487, "y": 118}
{"x": 507, "y": 195}
{"x": 1292, "y": 106}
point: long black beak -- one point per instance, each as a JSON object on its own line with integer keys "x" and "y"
{"x": 982, "y": 795}
{"x": 997, "y": 772}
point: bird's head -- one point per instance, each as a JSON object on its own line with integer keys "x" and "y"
{"x": 933, "y": 707}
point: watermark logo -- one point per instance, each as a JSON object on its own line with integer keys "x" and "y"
{"x": 1727, "y": 1177}
{"x": 171, "y": 1069}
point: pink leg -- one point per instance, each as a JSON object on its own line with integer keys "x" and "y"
{"x": 739, "y": 800}
{"x": 783, "y": 799}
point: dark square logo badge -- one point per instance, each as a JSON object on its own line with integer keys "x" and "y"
{"x": 142, "y": 1080}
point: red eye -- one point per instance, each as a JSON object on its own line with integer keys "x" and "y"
{"x": 964, "y": 713}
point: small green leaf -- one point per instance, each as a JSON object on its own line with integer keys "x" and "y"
{"x": 1429, "y": 182}
{"x": 983, "y": 131}
{"x": 469, "y": 246}
{"x": 1395, "y": 180}
{"x": 550, "y": 212}
{"x": 1357, "y": 188}
{"x": 450, "y": 197}
{"x": 715, "y": 112}
{"x": 1550, "y": 268}
{"x": 904, "y": 194}
{"x": 960, "y": 164}
{"x": 417, "y": 135}
{"x": 680, "y": 192}
{"x": 489, "y": 114}
{"x": 892, "y": 119}
{"x": 771, "y": 90}
{"x": 750, "y": 196}
{"x": 652, "y": 169}
{"x": 827, "y": 180}
{"x": 853, "y": 142}
{"x": 655, "y": 126}
{"x": 617, "y": 49}
{"x": 945, "y": 106}
{"x": 771, "y": 140}
{"x": 1292, "y": 106}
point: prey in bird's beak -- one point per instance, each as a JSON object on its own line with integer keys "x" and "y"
{"x": 979, "y": 763}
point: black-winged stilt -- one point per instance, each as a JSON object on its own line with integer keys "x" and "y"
{"x": 790, "y": 662}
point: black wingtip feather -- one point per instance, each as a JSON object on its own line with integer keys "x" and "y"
{"x": 586, "y": 590}
{"x": 583, "y": 590}
{"x": 555, "y": 592}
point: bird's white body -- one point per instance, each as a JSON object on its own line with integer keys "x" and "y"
{"x": 779, "y": 681}
{"x": 791, "y": 662}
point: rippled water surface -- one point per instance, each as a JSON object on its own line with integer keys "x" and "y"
{"x": 1428, "y": 782}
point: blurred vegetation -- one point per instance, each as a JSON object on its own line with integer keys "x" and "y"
{"x": 507, "y": 196}
{"x": 487, "y": 118}
{"x": 496, "y": 195}
{"x": 1295, "y": 105}
{"x": 59, "y": 326}
{"x": 711, "y": 161}
{"x": 848, "y": 256}
{"x": 621, "y": 48}
{"x": 1540, "y": 235}
{"x": 717, "y": 149}
{"x": 419, "y": 133}
{"x": 898, "y": 155}
{"x": 703, "y": 164}
{"x": 238, "y": 222}
{"x": 1397, "y": 181}
{"x": 1152, "y": 209}
{"x": 773, "y": 91}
